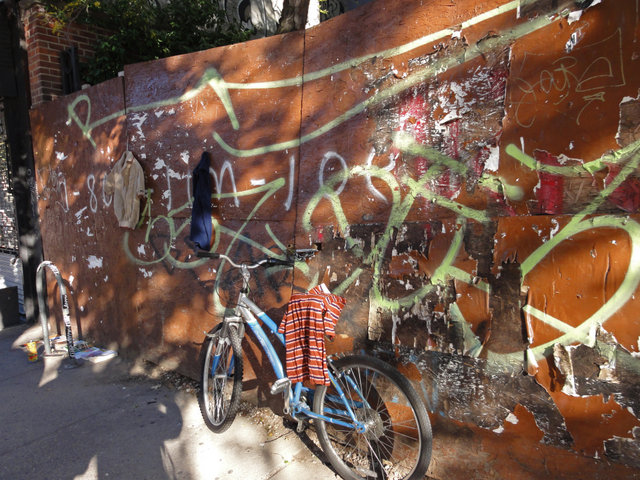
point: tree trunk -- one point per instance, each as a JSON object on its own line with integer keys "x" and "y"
{"x": 294, "y": 15}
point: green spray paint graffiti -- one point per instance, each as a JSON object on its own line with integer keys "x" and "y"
{"x": 630, "y": 158}
{"x": 420, "y": 76}
{"x": 415, "y": 188}
{"x": 176, "y": 223}
{"x": 399, "y": 208}
{"x": 178, "y": 215}
{"x": 212, "y": 78}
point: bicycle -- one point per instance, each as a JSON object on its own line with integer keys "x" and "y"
{"x": 370, "y": 421}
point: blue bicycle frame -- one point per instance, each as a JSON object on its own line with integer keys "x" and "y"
{"x": 248, "y": 311}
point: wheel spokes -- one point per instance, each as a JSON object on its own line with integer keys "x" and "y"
{"x": 389, "y": 448}
{"x": 218, "y": 390}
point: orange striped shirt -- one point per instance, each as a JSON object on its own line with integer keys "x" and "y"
{"x": 309, "y": 317}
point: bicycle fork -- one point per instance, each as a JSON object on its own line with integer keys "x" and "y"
{"x": 234, "y": 321}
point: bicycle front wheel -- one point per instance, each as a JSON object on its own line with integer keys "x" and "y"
{"x": 221, "y": 378}
{"x": 396, "y": 441}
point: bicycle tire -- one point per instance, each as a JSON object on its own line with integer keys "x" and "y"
{"x": 219, "y": 396}
{"x": 398, "y": 439}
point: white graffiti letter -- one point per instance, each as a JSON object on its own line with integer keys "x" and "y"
{"x": 328, "y": 156}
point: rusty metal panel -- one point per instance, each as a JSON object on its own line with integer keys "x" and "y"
{"x": 431, "y": 179}
{"x": 231, "y": 102}
{"x": 76, "y": 140}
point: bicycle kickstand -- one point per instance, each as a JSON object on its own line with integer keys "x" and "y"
{"x": 301, "y": 426}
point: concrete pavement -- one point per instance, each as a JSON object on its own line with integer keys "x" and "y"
{"x": 105, "y": 420}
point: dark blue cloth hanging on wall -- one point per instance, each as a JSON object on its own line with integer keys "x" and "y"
{"x": 201, "y": 210}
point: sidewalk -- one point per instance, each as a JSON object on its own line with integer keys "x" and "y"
{"x": 105, "y": 421}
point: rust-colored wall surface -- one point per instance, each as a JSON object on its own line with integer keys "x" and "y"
{"x": 469, "y": 172}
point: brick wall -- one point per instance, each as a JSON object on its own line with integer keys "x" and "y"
{"x": 44, "y": 49}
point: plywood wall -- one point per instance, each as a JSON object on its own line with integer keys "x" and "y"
{"x": 468, "y": 170}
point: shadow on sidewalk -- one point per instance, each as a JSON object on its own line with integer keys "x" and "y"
{"x": 88, "y": 422}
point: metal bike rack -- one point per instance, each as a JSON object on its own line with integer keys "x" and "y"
{"x": 41, "y": 289}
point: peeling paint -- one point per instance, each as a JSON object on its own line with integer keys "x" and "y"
{"x": 573, "y": 40}
{"x": 94, "y": 262}
{"x": 146, "y": 273}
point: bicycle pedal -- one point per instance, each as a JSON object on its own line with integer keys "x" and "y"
{"x": 280, "y": 386}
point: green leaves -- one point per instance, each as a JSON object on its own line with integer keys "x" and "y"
{"x": 145, "y": 30}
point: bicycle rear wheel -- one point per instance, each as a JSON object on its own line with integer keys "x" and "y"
{"x": 221, "y": 378}
{"x": 396, "y": 442}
